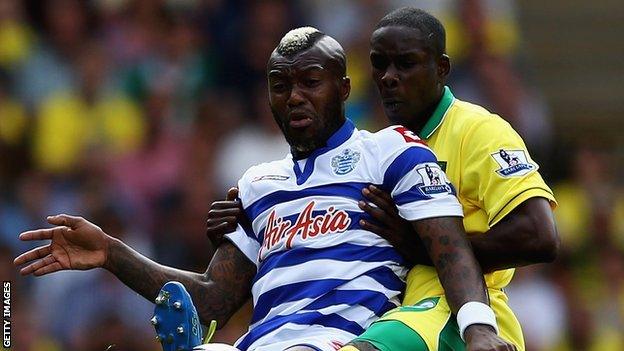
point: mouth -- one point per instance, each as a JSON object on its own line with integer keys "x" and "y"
{"x": 299, "y": 120}
{"x": 392, "y": 104}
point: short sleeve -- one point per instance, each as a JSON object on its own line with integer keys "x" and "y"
{"x": 245, "y": 244}
{"x": 499, "y": 172}
{"x": 414, "y": 179}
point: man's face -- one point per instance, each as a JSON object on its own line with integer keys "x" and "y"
{"x": 306, "y": 97}
{"x": 407, "y": 72}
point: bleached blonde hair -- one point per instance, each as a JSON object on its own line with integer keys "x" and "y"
{"x": 298, "y": 40}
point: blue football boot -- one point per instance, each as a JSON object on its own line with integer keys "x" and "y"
{"x": 175, "y": 319}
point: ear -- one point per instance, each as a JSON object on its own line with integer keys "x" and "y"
{"x": 345, "y": 87}
{"x": 444, "y": 66}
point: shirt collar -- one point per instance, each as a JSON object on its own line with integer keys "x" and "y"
{"x": 338, "y": 138}
{"x": 438, "y": 115}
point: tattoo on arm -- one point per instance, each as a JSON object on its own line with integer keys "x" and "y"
{"x": 457, "y": 268}
{"x": 217, "y": 293}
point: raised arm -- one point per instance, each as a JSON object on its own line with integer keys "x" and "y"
{"x": 77, "y": 244}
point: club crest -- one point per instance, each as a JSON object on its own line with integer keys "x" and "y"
{"x": 512, "y": 163}
{"x": 345, "y": 162}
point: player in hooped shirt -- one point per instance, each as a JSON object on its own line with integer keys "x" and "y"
{"x": 317, "y": 279}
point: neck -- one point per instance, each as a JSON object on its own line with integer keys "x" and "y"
{"x": 422, "y": 117}
{"x": 330, "y": 131}
{"x": 300, "y": 154}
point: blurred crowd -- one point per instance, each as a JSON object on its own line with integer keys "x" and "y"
{"x": 137, "y": 114}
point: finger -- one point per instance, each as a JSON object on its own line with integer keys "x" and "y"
{"x": 211, "y": 222}
{"x": 33, "y": 254}
{"x": 366, "y": 225}
{"x": 39, "y": 234}
{"x": 225, "y": 204}
{"x": 221, "y": 229}
{"x": 227, "y": 212}
{"x": 216, "y": 233}
{"x": 375, "y": 212}
{"x": 385, "y": 205}
{"x": 382, "y": 194}
{"x": 66, "y": 220}
{"x": 37, "y": 265}
{"x": 51, "y": 268}
{"x": 232, "y": 194}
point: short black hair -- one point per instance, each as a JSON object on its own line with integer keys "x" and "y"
{"x": 422, "y": 20}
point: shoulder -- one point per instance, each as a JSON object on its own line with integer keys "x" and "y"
{"x": 472, "y": 119}
{"x": 274, "y": 170}
{"x": 396, "y": 139}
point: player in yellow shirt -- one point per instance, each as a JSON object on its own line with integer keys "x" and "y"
{"x": 507, "y": 205}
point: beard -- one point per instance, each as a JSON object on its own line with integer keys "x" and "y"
{"x": 324, "y": 126}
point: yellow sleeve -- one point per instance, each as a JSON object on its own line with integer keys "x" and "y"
{"x": 499, "y": 172}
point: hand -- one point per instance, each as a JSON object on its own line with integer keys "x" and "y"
{"x": 224, "y": 216}
{"x": 395, "y": 229}
{"x": 76, "y": 244}
{"x": 480, "y": 337}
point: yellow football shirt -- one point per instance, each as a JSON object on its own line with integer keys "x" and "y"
{"x": 492, "y": 171}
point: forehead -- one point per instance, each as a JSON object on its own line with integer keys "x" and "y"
{"x": 398, "y": 40}
{"x": 310, "y": 59}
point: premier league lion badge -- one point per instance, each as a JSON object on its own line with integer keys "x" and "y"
{"x": 512, "y": 163}
{"x": 434, "y": 181}
{"x": 345, "y": 162}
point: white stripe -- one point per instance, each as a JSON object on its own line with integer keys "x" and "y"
{"x": 313, "y": 271}
{"x": 362, "y": 283}
{"x": 245, "y": 244}
{"x": 355, "y": 313}
{"x": 436, "y": 207}
{"x": 368, "y": 283}
{"x": 294, "y": 334}
{"x": 286, "y": 308}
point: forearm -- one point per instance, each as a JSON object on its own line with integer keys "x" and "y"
{"x": 525, "y": 236}
{"x": 146, "y": 277}
{"x": 450, "y": 252}
{"x": 497, "y": 249}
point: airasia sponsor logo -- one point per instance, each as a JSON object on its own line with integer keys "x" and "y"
{"x": 306, "y": 226}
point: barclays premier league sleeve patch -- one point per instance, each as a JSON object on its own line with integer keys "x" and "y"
{"x": 434, "y": 181}
{"x": 513, "y": 163}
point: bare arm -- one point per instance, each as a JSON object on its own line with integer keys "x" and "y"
{"x": 77, "y": 244}
{"x": 458, "y": 270}
{"x": 218, "y": 293}
{"x": 525, "y": 236}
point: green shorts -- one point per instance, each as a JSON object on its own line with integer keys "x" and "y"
{"x": 437, "y": 328}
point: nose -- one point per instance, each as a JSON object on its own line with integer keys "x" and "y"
{"x": 390, "y": 79}
{"x": 295, "y": 98}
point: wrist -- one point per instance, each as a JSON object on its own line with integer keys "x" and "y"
{"x": 111, "y": 246}
{"x": 473, "y": 316}
{"x": 474, "y": 330}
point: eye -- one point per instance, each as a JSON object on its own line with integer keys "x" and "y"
{"x": 405, "y": 63}
{"x": 379, "y": 62}
{"x": 278, "y": 87}
{"x": 312, "y": 82}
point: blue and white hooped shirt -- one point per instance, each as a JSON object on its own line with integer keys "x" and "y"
{"x": 322, "y": 279}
